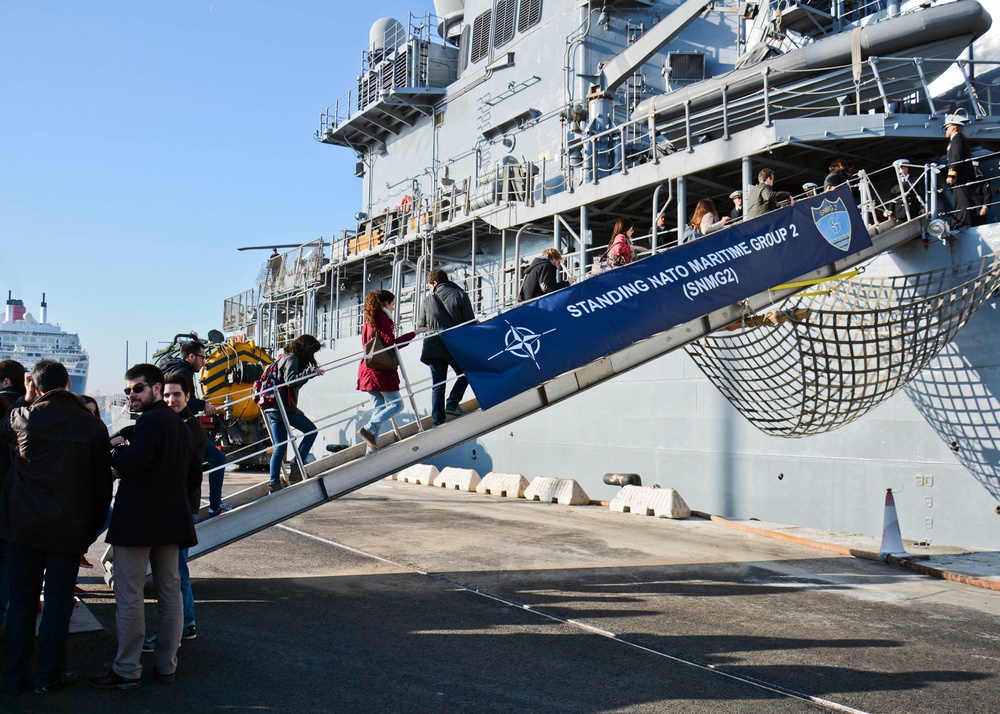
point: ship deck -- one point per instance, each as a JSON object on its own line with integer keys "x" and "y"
{"x": 406, "y": 598}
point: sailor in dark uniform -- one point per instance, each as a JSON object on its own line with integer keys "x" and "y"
{"x": 737, "y": 198}
{"x": 906, "y": 195}
{"x": 960, "y": 172}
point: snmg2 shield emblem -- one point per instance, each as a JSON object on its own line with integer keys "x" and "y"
{"x": 834, "y": 223}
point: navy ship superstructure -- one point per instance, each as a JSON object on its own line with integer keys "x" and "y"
{"x": 493, "y": 129}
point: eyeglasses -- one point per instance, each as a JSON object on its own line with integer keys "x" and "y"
{"x": 137, "y": 388}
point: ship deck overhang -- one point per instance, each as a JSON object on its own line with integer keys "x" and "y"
{"x": 799, "y": 149}
{"x": 394, "y": 112}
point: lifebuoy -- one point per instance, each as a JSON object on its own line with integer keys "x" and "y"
{"x": 406, "y": 205}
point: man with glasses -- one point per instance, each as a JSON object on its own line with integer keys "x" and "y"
{"x": 150, "y": 524}
{"x": 192, "y": 359}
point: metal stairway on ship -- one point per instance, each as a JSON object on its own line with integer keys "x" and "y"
{"x": 348, "y": 470}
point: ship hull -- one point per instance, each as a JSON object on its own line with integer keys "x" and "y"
{"x": 936, "y": 444}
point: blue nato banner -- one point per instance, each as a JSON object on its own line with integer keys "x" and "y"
{"x": 531, "y": 344}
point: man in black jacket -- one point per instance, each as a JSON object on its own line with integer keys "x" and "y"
{"x": 52, "y": 506}
{"x": 177, "y": 395}
{"x": 192, "y": 359}
{"x": 960, "y": 172}
{"x": 150, "y": 524}
{"x": 540, "y": 277}
{"x": 446, "y": 306}
{"x": 11, "y": 389}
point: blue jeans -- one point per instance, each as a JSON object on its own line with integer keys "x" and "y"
{"x": 280, "y": 436}
{"x": 27, "y": 568}
{"x": 385, "y": 405}
{"x": 187, "y": 595}
{"x": 439, "y": 373}
{"x": 217, "y": 465}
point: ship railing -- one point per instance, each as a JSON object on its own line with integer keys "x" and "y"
{"x": 887, "y": 85}
{"x": 342, "y": 424}
{"x": 239, "y": 311}
{"x": 419, "y": 29}
{"x": 823, "y": 18}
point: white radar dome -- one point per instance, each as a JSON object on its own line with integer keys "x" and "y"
{"x": 386, "y": 35}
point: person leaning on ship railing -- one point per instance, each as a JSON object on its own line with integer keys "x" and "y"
{"x": 763, "y": 197}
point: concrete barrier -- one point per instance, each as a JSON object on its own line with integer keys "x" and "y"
{"x": 500, "y": 484}
{"x": 419, "y": 473}
{"x": 646, "y": 501}
{"x": 458, "y": 479}
{"x": 565, "y": 492}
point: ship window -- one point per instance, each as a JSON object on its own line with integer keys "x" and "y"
{"x": 481, "y": 36}
{"x": 504, "y": 30}
{"x": 531, "y": 13}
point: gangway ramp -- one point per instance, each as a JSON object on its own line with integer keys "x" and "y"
{"x": 348, "y": 470}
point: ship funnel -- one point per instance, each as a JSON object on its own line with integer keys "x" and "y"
{"x": 10, "y": 302}
{"x": 45, "y": 310}
{"x": 385, "y": 36}
{"x": 450, "y": 13}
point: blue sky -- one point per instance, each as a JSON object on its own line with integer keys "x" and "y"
{"x": 143, "y": 143}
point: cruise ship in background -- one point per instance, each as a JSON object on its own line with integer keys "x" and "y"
{"x": 28, "y": 341}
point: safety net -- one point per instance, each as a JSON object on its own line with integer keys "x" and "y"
{"x": 822, "y": 360}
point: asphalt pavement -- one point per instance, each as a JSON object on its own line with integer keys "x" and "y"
{"x": 405, "y": 598}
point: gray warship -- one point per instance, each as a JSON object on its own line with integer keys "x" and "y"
{"x": 489, "y": 130}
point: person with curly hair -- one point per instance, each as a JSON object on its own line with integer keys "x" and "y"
{"x": 382, "y": 385}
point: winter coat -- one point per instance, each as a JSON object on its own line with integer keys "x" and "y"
{"x": 175, "y": 365}
{"x": 762, "y": 199}
{"x": 380, "y": 380}
{"x": 959, "y": 160}
{"x": 199, "y": 439}
{"x": 8, "y": 399}
{"x": 711, "y": 223}
{"x": 57, "y": 495}
{"x": 290, "y": 373}
{"x": 446, "y": 307}
{"x": 621, "y": 246}
{"x": 158, "y": 469}
{"x": 835, "y": 179}
{"x": 540, "y": 279}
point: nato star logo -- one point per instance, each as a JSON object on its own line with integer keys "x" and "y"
{"x": 522, "y": 342}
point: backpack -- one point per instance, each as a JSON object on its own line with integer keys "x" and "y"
{"x": 265, "y": 388}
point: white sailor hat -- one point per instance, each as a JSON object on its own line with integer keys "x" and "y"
{"x": 959, "y": 118}
{"x": 808, "y": 185}
{"x": 736, "y": 194}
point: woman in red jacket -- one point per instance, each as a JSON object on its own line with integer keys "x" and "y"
{"x": 381, "y": 385}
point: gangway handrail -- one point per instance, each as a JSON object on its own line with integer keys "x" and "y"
{"x": 346, "y": 471}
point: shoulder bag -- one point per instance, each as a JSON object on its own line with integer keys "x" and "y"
{"x": 380, "y": 357}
